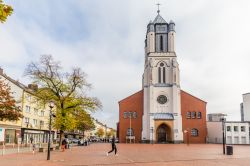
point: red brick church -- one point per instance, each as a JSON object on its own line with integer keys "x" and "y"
{"x": 161, "y": 112}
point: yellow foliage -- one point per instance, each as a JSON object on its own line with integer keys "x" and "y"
{"x": 5, "y": 11}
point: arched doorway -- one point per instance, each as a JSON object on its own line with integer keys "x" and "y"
{"x": 162, "y": 133}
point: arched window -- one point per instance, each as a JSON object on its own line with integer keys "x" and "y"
{"x": 159, "y": 74}
{"x": 125, "y": 115}
{"x": 130, "y": 132}
{"x": 134, "y": 115}
{"x": 188, "y": 115}
{"x": 161, "y": 43}
{"x": 164, "y": 75}
{"x": 193, "y": 115}
{"x": 194, "y": 133}
{"x": 199, "y": 115}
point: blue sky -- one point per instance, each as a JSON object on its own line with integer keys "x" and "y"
{"x": 106, "y": 39}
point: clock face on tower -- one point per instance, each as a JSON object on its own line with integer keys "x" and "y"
{"x": 162, "y": 99}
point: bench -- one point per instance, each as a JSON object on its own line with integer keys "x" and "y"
{"x": 43, "y": 149}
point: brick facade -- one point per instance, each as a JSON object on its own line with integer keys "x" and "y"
{"x": 189, "y": 103}
{"x": 192, "y": 104}
{"x": 133, "y": 103}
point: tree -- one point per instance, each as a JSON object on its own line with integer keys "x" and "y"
{"x": 5, "y": 11}
{"x": 65, "y": 89}
{"x": 100, "y": 132}
{"x": 84, "y": 121}
{"x": 8, "y": 109}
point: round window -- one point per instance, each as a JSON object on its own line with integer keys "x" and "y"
{"x": 162, "y": 99}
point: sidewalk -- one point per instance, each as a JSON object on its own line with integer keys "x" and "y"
{"x": 135, "y": 154}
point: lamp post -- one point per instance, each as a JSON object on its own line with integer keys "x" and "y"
{"x": 130, "y": 133}
{"x": 51, "y": 106}
{"x": 223, "y": 133}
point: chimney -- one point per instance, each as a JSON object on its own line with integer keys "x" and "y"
{"x": 1, "y": 71}
{"x": 33, "y": 87}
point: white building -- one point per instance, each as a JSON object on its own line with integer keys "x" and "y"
{"x": 161, "y": 84}
{"x": 245, "y": 107}
{"x": 236, "y": 132}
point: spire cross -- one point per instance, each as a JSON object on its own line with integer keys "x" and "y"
{"x": 158, "y": 4}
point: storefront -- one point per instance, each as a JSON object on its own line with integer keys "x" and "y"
{"x": 9, "y": 134}
{"x": 36, "y": 136}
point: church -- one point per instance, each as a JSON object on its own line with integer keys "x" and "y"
{"x": 161, "y": 112}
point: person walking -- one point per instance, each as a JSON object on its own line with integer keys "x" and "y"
{"x": 113, "y": 147}
{"x": 64, "y": 142}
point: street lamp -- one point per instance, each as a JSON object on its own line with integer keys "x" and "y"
{"x": 223, "y": 133}
{"x": 51, "y": 106}
{"x": 130, "y": 133}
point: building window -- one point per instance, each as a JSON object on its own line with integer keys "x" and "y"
{"x": 35, "y": 111}
{"x": 41, "y": 124}
{"x": 228, "y": 128}
{"x": 26, "y": 120}
{"x": 130, "y": 132}
{"x": 28, "y": 97}
{"x": 161, "y": 43}
{"x": 134, "y": 115}
{"x": 194, "y": 133}
{"x": 188, "y": 115}
{"x": 130, "y": 114}
{"x": 125, "y": 115}
{"x": 243, "y": 128}
{"x": 27, "y": 109}
{"x": 42, "y": 113}
{"x": 159, "y": 75}
{"x": 236, "y": 128}
{"x": 164, "y": 75}
{"x": 193, "y": 114}
{"x": 199, "y": 115}
{"x": 35, "y": 122}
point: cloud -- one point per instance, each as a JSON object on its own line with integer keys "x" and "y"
{"x": 106, "y": 39}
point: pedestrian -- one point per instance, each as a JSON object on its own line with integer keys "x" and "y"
{"x": 113, "y": 147}
{"x": 34, "y": 148}
{"x": 64, "y": 142}
{"x": 31, "y": 140}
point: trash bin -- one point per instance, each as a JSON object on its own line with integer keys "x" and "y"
{"x": 229, "y": 149}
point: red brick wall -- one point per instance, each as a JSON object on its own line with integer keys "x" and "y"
{"x": 193, "y": 104}
{"x": 133, "y": 103}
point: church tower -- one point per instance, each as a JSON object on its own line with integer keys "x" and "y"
{"x": 162, "y": 120}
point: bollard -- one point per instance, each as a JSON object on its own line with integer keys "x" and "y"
{"x": 3, "y": 151}
{"x": 18, "y": 150}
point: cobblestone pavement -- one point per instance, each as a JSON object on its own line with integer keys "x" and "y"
{"x": 135, "y": 154}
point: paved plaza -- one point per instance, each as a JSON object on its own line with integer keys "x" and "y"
{"x": 135, "y": 154}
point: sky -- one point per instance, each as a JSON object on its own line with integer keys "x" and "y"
{"x": 106, "y": 39}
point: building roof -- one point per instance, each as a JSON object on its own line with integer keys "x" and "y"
{"x": 17, "y": 83}
{"x": 192, "y": 96}
{"x": 141, "y": 91}
{"x": 158, "y": 19}
{"x": 163, "y": 116}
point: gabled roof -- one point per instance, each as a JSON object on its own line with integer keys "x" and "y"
{"x": 182, "y": 91}
{"x": 159, "y": 19}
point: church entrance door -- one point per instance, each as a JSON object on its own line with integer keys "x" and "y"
{"x": 162, "y": 133}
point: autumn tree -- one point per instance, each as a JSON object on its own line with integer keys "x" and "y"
{"x": 8, "y": 108}
{"x": 5, "y": 11}
{"x": 66, "y": 89}
{"x": 100, "y": 132}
